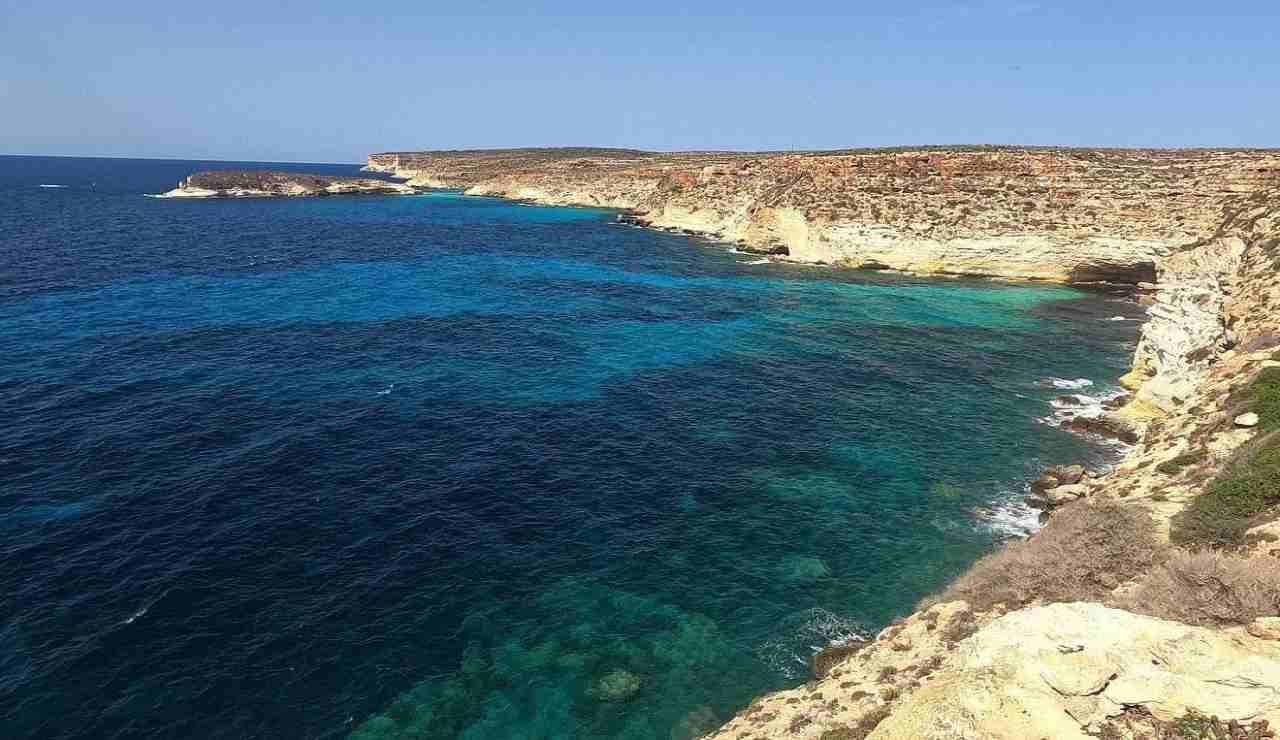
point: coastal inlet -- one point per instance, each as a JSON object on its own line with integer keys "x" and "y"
{"x": 444, "y": 466}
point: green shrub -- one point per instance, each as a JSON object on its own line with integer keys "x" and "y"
{"x": 1247, "y": 487}
{"x": 1266, "y": 397}
{"x": 1222, "y": 515}
{"x": 1174, "y": 466}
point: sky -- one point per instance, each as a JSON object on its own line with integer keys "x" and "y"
{"x": 329, "y": 81}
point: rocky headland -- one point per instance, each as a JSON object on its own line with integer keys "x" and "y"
{"x": 1148, "y": 605}
{"x": 260, "y": 184}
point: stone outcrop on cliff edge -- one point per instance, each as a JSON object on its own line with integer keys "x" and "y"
{"x": 1066, "y": 215}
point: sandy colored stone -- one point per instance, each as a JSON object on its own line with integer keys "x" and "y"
{"x": 1265, "y": 628}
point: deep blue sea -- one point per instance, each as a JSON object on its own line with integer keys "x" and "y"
{"x": 448, "y": 467}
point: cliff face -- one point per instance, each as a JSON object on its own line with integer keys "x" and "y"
{"x": 254, "y": 183}
{"x": 1171, "y": 639}
{"x": 1048, "y": 214}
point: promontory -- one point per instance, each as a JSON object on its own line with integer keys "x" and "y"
{"x": 254, "y": 183}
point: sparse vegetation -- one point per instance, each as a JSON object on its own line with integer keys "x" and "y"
{"x": 1175, "y": 466}
{"x": 861, "y": 730}
{"x": 1208, "y": 588}
{"x": 1192, "y": 725}
{"x": 1088, "y": 551}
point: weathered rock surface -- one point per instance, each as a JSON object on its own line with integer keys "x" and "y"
{"x": 1059, "y": 670}
{"x": 1055, "y": 671}
{"x": 1067, "y": 215}
{"x": 253, "y": 183}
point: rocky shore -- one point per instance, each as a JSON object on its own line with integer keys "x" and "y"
{"x": 260, "y": 184}
{"x": 1148, "y": 606}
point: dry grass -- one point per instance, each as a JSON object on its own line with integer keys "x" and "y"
{"x": 1208, "y": 588}
{"x": 1085, "y": 552}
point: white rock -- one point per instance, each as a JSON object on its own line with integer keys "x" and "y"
{"x": 1247, "y": 420}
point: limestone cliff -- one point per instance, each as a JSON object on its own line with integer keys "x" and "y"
{"x": 1064, "y": 215}
{"x": 1030, "y": 666}
{"x": 259, "y": 184}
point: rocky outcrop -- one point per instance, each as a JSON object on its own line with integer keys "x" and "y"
{"x": 258, "y": 184}
{"x": 1062, "y": 215}
{"x": 1053, "y": 671}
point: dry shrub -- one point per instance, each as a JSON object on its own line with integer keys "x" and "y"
{"x": 865, "y": 726}
{"x": 1084, "y": 552}
{"x": 1208, "y": 588}
{"x": 833, "y": 655}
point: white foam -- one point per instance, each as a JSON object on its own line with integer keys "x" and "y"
{"x": 803, "y": 635}
{"x": 386, "y": 390}
{"x": 1069, "y": 384}
{"x": 1117, "y": 318}
{"x": 1010, "y": 518}
{"x": 136, "y": 614}
{"x": 757, "y": 262}
{"x": 53, "y": 186}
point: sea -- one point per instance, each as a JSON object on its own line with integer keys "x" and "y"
{"x": 440, "y": 466}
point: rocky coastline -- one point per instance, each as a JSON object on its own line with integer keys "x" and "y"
{"x": 1110, "y": 622}
{"x": 1061, "y": 215}
{"x": 1148, "y": 605}
{"x": 264, "y": 184}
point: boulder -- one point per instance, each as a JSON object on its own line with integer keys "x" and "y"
{"x": 1109, "y": 425}
{"x": 1069, "y": 474}
{"x": 1247, "y": 420}
{"x": 1046, "y": 481}
{"x": 1066, "y": 494}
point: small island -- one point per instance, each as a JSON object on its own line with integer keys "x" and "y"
{"x": 259, "y": 184}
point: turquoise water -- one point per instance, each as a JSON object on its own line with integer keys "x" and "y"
{"x": 445, "y": 467}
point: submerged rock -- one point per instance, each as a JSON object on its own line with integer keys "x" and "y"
{"x": 616, "y": 685}
{"x": 802, "y": 569}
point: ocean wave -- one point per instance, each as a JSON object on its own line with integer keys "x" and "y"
{"x": 1066, "y": 384}
{"x": 802, "y": 635}
{"x": 757, "y": 262}
{"x": 1011, "y": 518}
{"x": 1118, "y": 318}
{"x": 51, "y": 186}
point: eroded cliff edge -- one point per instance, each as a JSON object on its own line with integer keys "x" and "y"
{"x": 1065, "y": 215}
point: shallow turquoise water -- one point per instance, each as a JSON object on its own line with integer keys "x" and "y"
{"x": 453, "y": 467}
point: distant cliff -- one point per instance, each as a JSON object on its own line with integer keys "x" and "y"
{"x": 253, "y": 183}
{"x": 1064, "y": 215}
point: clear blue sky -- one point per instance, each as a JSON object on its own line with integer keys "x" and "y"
{"x": 332, "y": 81}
